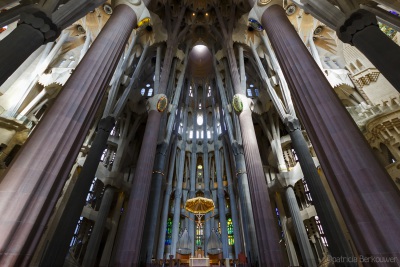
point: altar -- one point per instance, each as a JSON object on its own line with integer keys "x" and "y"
{"x": 199, "y": 262}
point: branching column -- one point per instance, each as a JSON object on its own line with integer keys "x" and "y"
{"x": 178, "y": 190}
{"x": 338, "y": 245}
{"x": 366, "y": 196}
{"x": 129, "y": 246}
{"x": 193, "y": 171}
{"x": 269, "y": 251}
{"x": 58, "y": 245}
{"x": 98, "y": 229}
{"x": 241, "y": 174}
{"x": 232, "y": 199}
{"x": 128, "y": 252}
{"x": 221, "y": 198}
{"x": 165, "y": 210}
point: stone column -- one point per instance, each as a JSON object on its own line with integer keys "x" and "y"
{"x": 207, "y": 194}
{"x": 268, "y": 243}
{"x": 220, "y": 186}
{"x": 232, "y": 200}
{"x": 158, "y": 67}
{"x": 165, "y": 210}
{"x": 193, "y": 171}
{"x": 269, "y": 251}
{"x": 249, "y": 231}
{"x": 290, "y": 250}
{"x": 192, "y": 194}
{"x": 38, "y": 174}
{"x": 299, "y": 229}
{"x": 341, "y": 148}
{"x": 128, "y": 251}
{"x": 96, "y": 235}
{"x": 242, "y": 68}
{"x": 241, "y": 174}
{"x": 361, "y": 30}
{"x": 178, "y": 190}
{"x": 154, "y": 201}
{"x": 338, "y": 245}
{"x": 221, "y": 200}
{"x": 58, "y": 245}
{"x": 106, "y": 255}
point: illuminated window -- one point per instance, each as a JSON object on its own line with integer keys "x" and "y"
{"x": 321, "y": 231}
{"x": 231, "y": 239}
{"x": 168, "y": 233}
{"x": 249, "y": 92}
{"x": 279, "y": 221}
{"x": 200, "y": 119}
{"x": 199, "y": 234}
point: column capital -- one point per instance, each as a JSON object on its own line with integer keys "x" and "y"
{"x": 41, "y": 22}
{"x": 237, "y": 148}
{"x": 137, "y": 6}
{"x": 241, "y": 103}
{"x": 355, "y": 22}
{"x": 106, "y": 124}
{"x": 292, "y": 123}
{"x": 158, "y": 103}
{"x": 259, "y": 8}
{"x": 162, "y": 148}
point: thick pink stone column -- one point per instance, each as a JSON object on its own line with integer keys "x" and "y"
{"x": 35, "y": 179}
{"x": 130, "y": 241}
{"x": 269, "y": 251}
{"x": 366, "y": 196}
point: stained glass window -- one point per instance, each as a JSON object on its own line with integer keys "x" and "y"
{"x": 199, "y": 234}
{"x": 279, "y": 221}
{"x": 387, "y": 30}
{"x": 168, "y": 234}
{"x": 231, "y": 239}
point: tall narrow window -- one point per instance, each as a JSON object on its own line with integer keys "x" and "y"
{"x": 199, "y": 234}
{"x": 321, "y": 231}
{"x": 231, "y": 239}
{"x": 168, "y": 233}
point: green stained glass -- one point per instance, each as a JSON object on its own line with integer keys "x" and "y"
{"x": 387, "y": 30}
{"x": 231, "y": 240}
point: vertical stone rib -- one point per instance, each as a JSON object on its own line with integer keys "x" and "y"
{"x": 365, "y": 194}
{"x": 267, "y": 235}
{"x": 33, "y": 183}
{"x": 129, "y": 246}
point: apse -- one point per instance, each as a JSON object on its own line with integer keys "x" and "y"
{"x": 200, "y": 62}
